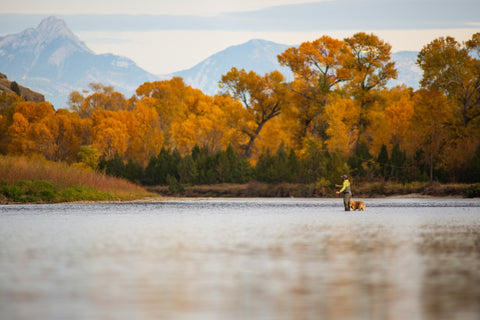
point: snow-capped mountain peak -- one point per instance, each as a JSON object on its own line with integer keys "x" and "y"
{"x": 52, "y": 60}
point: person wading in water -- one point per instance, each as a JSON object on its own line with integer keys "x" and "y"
{"x": 347, "y": 193}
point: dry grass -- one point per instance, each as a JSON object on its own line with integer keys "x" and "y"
{"x": 14, "y": 169}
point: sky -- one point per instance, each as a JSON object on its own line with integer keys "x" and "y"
{"x": 164, "y": 36}
{"x": 175, "y": 7}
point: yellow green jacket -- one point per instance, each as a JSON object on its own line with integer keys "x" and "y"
{"x": 346, "y": 186}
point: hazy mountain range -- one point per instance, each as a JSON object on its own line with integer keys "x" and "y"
{"x": 261, "y": 57}
{"x": 52, "y": 60}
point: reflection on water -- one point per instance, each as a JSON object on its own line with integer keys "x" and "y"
{"x": 241, "y": 259}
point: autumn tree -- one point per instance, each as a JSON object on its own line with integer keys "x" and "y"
{"x": 202, "y": 122}
{"x": 370, "y": 69}
{"x": 100, "y": 97}
{"x": 452, "y": 68}
{"x": 70, "y": 132}
{"x": 168, "y": 95}
{"x": 34, "y": 112}
{"x": 429, "y": 131}
{"x": 8, "y": 102}
{"x": 18, "y": 131}
{"x": 28, "y": 132}
{"x": 262, "y": 98}
{"x": 145, "y": 135}
{"x": 342, "y": 115}
{"x": 318, "y": 66}
{"x": 88, "y": 157}
{"x": 390, "y": 118}
{"x": 109, "y": 134}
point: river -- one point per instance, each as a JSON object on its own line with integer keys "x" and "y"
{"x": 241, "y": 259}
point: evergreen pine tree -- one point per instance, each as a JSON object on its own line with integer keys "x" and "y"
{"x": 397, "y": 161}
{"x": 15, "y": 88}
{"x": 472, "y": 169}
{"x": 383, "y": 161}
{"x": 359, "y": 162}
{"x": 187, "y": 170}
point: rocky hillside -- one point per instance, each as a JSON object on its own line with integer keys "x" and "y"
{"x": 24, "y": 92}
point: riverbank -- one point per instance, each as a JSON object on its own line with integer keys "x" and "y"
{"x": 363, "y": 190}
{"x": 35, "y": 180}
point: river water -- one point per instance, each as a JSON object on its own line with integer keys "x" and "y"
{"x": 241, "y": 259}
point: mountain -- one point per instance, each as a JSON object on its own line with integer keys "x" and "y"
{"x": 53, "y": 61}
{"x": 261, "y": 57}
{"x": 409, "y": 72}
{"x": 257, "y": 55}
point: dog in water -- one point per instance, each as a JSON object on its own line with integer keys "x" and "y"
{"x": 354, "y": 205}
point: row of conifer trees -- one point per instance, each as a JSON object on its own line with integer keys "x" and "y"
{"x": 317, "y": 166}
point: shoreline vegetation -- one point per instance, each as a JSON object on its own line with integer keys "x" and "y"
{"x": 36, "y": 180}
{"x": 292, "y": 190}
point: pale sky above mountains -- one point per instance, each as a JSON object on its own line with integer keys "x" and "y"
{"x": 167, "y": 36}
{"x": 176, "y": 7}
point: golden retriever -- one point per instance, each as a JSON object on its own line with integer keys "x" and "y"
{"x": 360, "y": 205}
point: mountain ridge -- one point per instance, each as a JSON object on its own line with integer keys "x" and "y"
{"x": 257, "y": 54}
{"x": 206, "y": 74}
{"x": 54, "y": 61}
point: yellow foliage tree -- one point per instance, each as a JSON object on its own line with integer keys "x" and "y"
{"x": 34, "y": 112}
{"x": 110, "y": 137}
{"x": 428, "y": 131}
{"x": 317, "y": 66}
{"x": 146, "y": 139}
{"x": 202, "y": 123}
{"x": 342, "y": 131}
{"x": 370, "y": 68}
{"x": 42, "y": 140}
{"x": 18, "y": 131}
{"x": 70, "y": 133}
{"x": 235, "y": 124}
{"x": 101, "y": 97}
{"x": 390, "y": 120}
{"x": 263, "y": 99}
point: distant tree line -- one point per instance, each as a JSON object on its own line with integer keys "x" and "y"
{"x": 320, "y": 167}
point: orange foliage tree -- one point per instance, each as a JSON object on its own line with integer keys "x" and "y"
{"x": 318, "y": 67}
{"x": 453, "y": 69}
{"x": 390, "y": 120}
{"x": 146, "y": 138}
{"x": 263, "y": 99}
{"x": 370, "y": 68}
{"x": 202, "y": 123}
{"x": 342, "y": 114}
{"x": 101, "y": 97}
{"x": 109, "y": 133}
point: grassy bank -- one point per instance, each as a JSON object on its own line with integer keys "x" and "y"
{"x": 35, "y": 180}
{"x": 362, "y": 190}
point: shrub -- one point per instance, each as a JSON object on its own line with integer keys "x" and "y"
{"x": 472, "y": 191}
